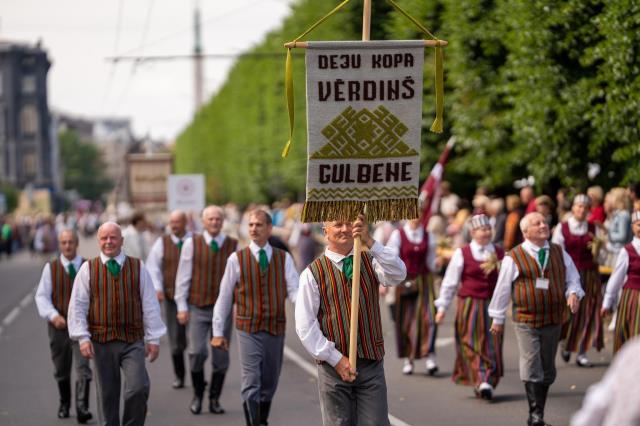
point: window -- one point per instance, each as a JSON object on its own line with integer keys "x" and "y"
{"x": 29, "y": 120}
{"x": 29, "y": 164}
{"x": 29, "y": 84}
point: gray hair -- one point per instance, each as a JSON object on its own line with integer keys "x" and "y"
{"x": 213, "y": 208}
{"x": 71, "y": 231}
{"x": 524, "y": 222}
{"x": 110, "y": 223}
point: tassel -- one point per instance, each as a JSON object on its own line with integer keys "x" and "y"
{"x": 288, "y": 82}
{"x": 437, "y": 125}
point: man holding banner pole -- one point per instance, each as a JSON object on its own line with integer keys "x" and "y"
{"x": 347, "y": 395}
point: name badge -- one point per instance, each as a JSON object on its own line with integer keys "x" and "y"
{"x": 542, "y": 283}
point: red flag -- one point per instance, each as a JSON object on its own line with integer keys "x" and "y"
{"x": 430, "y": 191}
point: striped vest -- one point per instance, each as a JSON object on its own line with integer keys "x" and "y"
{"x": 115, "y": 305}
{"x": 208, "y": 269}
{"x": 536, "y": 307}
{"x": 61, "y": 286}
{"x": 260, "y": 296}
{"x": 334, "y": 312}
{"x": 170, "y": 258}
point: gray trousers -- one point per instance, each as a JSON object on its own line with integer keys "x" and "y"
{"x": 360, "y": 403}
{"x": 64, "y": 351}
{"x": 538, "y": 347}
{"x": 176, "y": 332}
{"x": 260, "y": 364}
{"x": 200, "y": 334}
{"x": 110, "y": 358}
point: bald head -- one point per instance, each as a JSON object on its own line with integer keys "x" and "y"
{"x": 110, "y": 239}
{"x": 178, "y": 223}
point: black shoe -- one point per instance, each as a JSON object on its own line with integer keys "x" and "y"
{"x": 197, "y": 379}
{"x": 178, "y": 368}
{"x": 63, "y": 411}
{"x": 178, "y": 383}
{"x": 536, "y": 396}
{"x": 64, "y": 388}
{"x": 215, "y": 407}
{"x": 251, "y": 412}
{"x": 265, "y": 407}
{"x": 82, "y": 401}
{"x": 566, "y": 355}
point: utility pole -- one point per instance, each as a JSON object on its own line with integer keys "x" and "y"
{"x": 197, "y": 62}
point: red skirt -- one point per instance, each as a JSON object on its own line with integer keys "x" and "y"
{"x": 584, "y": 328}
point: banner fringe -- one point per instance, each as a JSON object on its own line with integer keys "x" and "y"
{"x": 392, "y": 209}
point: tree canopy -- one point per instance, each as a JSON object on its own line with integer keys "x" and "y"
{"x": 534, "y": 87}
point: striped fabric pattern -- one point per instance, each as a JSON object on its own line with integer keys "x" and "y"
{"x": 170, "y": 258}
{"x": 115, "y": 305}
{"x": 584, "y": 328}
{"x": 334, "y": 312}
{"x": 415, "y": 322}
{"x": 260, "y": 297}
{"x": 208, "y": 269}
{"x": 478, "y": 352}
{"x": 536, "y": 307}
{"x": 628, "y": 318}
{"x": 61, "y": 286}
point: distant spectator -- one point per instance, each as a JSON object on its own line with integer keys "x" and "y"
{"x": 597, "y": 214}
{"x": 528, "y": 199}
{"x": 136, "y": 242}
{"x": 448, "y": 200}
{"x": 563, "y": 203}
{"x": 512, "y": 233}
{"x": 497, "y": 219}
{"x": 619, "y": 224}
{"x": 544, "y": 206}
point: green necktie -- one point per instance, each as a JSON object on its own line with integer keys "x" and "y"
{"x": 179, "y": 244}
{"x": 72, "y": 271}
{"x": 542, "y": 254}
{"x": 214, "y": 246}
{"x": 347, "y": 267}
{"x": 262, "y": 258}
{"x": 113, "y": 267}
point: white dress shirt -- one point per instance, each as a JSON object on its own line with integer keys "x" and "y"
{"x": 619, "y": 276}
{"x": 44, "y": 303}
{"x": 576, "y": 228}
{"x": 154, "y": 260}
{"x": 78, "y": 325}
{"x": 231, "y": 276}
{"x": 135, "y": 242}
{"x": 390, "y": 270}
{"x": 454, "y": 272}
{"x": 185, "y": 268}
{"x": 509, "y": 272}
{"x": 415, "y": 236}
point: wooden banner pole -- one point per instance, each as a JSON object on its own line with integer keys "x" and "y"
{"x": 357, "y": 244}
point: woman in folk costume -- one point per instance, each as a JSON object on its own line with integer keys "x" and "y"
{"x": 626, "y": 275}
{"x": 475, "y": 268}
{"x": 584, "y": 328}
{"x": 415, "y": 310}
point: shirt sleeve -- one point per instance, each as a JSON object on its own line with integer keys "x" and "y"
{"x": 558, "y": 238}
{"x": 502, "y": 293}
{"x": 431, "y": 252}
{"x": 154, "y": 328}
{"x": 394, "y": 242}
{"x": 307, "y": 325}
{"x": 292, "y": 278}
{"x": 222, "y": 309}
{"x": 183, "y": 276}
{"x": 46, "y": 310}
{"x": 389, "y": 268}
{"x": 572, "y": 277}
{"x": 616, "y": 280}
{"x": 154, "y": 264}
{"x": 79, "y": 306}
{"x": 450, "y": 281}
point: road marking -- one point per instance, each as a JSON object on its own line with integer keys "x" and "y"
{"x": 26, "y": 300}
{"x": 444, "y": 341}
{"x": 313, "y": 371}
{"x": 12, "y": 316}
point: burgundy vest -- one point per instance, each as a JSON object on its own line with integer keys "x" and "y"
{"x": 578, "y": 246}
{"x": 474, "y": 282}
{"x": 633, "y": 271}
{"x": 414, "y": 255}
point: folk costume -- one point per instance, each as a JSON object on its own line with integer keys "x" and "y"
{"x": 52, "y": 300}
{"x": 626, "y": 275}
{"x": 162, "y": 265}
{"x": 539, "y": 280}
{"x": 323, "y": 323}
{"x": 584, "y": 328}
{"x": 259, "y": 279}
{"x": 200, "y": 269}
{"x": 472, "y": 273}
{"x": 114, "y": 304}
{"x": 415, "y": 311}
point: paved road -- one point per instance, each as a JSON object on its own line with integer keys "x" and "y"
{"x": 28, "y": 391}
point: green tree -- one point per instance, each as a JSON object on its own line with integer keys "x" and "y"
{"x": 83, "y": 166}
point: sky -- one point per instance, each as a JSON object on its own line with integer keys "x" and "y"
{"x": 157, "y": 96}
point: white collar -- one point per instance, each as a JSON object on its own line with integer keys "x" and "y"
{"x": 475, "y": 246}
{"x": 176, "y": 239}
{"x": 255, "y": 249}
{"x": 336, "y": 257}
{"x": 218, "y": 239}
{"x": 76, "y": 261}
{"x": 534, "y": 248}
{"x": 119, "y": 258}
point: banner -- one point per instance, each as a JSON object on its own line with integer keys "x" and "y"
{"x": 185, "y": 192}
{"x": 364, "y": 118}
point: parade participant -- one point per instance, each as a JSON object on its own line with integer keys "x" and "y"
{"x": 200, "y": 269}
{"x": 262, "y": 277}
{"x": 584, "y": 329}
{"x": 115, "y": 315}
{"x": 475, "y": 267}
{"x": 542, "y": 280}
{"x": 415, "y": 311}
{"x": 162, "y": 265}
{"x": 626, "y": 275}
{"x": 52, "y": 301}
{"x": 323, "y": 323}
{"x": 135, "y": 237}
